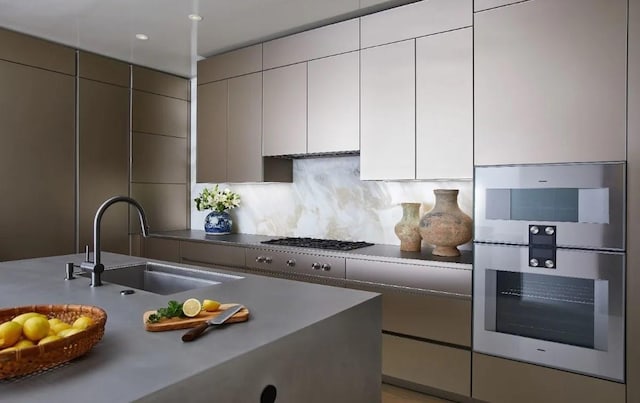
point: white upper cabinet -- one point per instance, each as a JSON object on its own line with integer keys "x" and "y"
{"x": 414, "y": 20}
{"x": 550, "y": 82}
{"x": 387, "y": 119}
{"x": 329, "y": 40}
{"x": 444, "y": 105}
{"x": 334, "y": 104}
{"x": 284, "y": 113}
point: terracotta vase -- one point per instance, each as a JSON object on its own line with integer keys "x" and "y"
{"x": 407, "y": 228}
{"x": 446, "y": 226}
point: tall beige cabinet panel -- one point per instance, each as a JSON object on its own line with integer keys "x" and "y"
{"x": 159, "y": 156}
{"x": 387, "y": 115}
{"x": 284, "y": 113}
{"x": 334, "y": 104}
{"x": 444, "y": 103}
{"x": 550, "y": 82}
{"x": 103, "y": 146}
{"x": 633, "y": 213}
{"x": 37, "y": 157}
{"x": 211, "y": 158}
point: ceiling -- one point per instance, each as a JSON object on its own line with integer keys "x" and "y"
{"x": 175, "y": 43}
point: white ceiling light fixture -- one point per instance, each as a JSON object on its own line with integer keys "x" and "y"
{"x": 142, "y": 37}
{"x": 195, "y": 17}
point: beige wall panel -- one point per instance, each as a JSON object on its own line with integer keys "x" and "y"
{"x": 313, "y": 44}
{"x": 479, "y": 5}
{"x": 157, "y": 114}
{"x": 165, "y": 206}
{"x": 159, "y": 159}
{"x": 553, "y": 89}
{"x": 162, "y": 249}
{"x": 244, "y": 135}
{"x": 498, "y": 380}
{"x": 211, "y": 138}
{"x": 231, "y": 64}
{"x": 428, "y": 364}
{"x": 104, "y": 162}
{"x": 100, "y": 68}
{"x": 37, "y": 164}
{"x": 24, "y": 49}
{"x": 414, "y": 20}
{"x": 157, "y": 82}
{"x": 633, "y": 213}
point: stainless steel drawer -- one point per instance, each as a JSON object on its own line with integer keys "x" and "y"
{"x": 296, "y": 263}
{"x": 455, "y": 282}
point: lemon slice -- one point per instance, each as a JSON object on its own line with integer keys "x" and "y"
{"x": 191, "y": 307}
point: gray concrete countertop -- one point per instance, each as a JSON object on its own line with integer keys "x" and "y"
{"x": 130, "y": 363}
{"x": 377, "y": 251}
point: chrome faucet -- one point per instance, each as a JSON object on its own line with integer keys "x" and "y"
{"x": 96, "y": 267}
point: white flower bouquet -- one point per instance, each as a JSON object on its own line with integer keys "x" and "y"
{"x": 217, "y": 200}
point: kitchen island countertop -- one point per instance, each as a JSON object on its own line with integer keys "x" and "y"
{"x": 305, "y": 339}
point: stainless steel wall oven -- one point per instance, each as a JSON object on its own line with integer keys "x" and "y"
{"x": 549, "y": 265}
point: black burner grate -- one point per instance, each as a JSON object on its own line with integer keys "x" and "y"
{"x": 318, "y": 243}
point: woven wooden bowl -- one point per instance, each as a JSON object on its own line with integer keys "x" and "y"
{"x": 48, "y": 355}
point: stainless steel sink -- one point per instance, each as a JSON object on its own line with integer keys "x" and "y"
{"x": 161, "y": 278}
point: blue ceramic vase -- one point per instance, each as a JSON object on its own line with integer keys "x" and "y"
{"x": 218, "y": 223}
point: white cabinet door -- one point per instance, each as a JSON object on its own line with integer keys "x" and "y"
{"x": 444, "y": 105}
{"x": 550, "y": 82}
{"x": 211, "y": 161}
{"x": 244, "y": 136}
{"x": 284, "y": 110}
{"x": 334, "y": 104}
{"x": 387, "y": 120}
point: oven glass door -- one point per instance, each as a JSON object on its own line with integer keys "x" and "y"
{"x": 569, "y": 317}
{"x": 553, "y": 308}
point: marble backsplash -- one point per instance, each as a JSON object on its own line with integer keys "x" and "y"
{"x": 327, "y": 199}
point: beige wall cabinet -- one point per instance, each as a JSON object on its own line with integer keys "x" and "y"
{"x": 161, "y": 249}
{"x": 231, "y": 64}
{"x": 198, "y": 253}
{"x": 387, "y": 112}
{"x": 414, "y": 20}
{"x": 444, "y": 105}
{"x": 480, "y": 5}
{"x": 334, "y": 104}
{"x": 284, "y": 125}
{"x": 317, "y": 43}
{"x": 554, "y": 88}
{"x": 416, "y": 109}
{"x": 37, "y": 159}
{"x": 211, "y": 159}
{"x": 103, "y": 119}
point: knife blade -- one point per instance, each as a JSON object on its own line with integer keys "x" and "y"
{"x": 218, "y": 320}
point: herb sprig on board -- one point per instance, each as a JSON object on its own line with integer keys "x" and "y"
{"x": 173, "y": 309}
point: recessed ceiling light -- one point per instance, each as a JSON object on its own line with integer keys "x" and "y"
{"x": 195, "y": 17}
{"x": 142, "y": 37}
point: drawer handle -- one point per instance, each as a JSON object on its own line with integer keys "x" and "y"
{"x": 291, "y": 263}
{"x": 260, "y": 259}
{"x": 268, "y": 260}
{"x": 315, "y": 266}
{"x": 326, "y": 267}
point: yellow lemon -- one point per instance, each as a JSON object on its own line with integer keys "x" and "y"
{"x": 49, "y": 339}
{"x": 23, "y": 344}
{"x": 54, "y": 321}
{"x": 10, "y": 333}
{"x": 58, "y": 327}
{"x": 6, "y": 350}
{"x": 22, "y": 318}
{"x": 210, "y": 305}
{"x": 36, "y": 328}
{"x": 82, "y": 322}
{"x": 191, "y": 307}
{"x": 69, "y": 332}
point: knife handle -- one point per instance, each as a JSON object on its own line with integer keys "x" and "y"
{"x": 194, "y": 333}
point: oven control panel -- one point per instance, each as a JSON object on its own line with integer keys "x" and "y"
{"x": 542, "y": 246}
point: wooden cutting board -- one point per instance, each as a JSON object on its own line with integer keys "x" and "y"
{"x": 186, "y": 323}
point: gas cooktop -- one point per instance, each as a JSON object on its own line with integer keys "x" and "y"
{"x": 318, "y": 243}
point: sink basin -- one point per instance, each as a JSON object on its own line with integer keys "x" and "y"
{"x": 161, "y": 278}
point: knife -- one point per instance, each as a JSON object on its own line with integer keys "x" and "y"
{"x": 218, "y": 320}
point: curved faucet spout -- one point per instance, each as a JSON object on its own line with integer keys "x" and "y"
{"x": 96, "y": 267}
